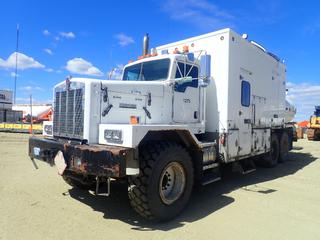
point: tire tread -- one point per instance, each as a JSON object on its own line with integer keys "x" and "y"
{"x": 138, "y": 186}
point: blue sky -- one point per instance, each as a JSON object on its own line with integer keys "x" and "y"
{"x": 88, "y": 38}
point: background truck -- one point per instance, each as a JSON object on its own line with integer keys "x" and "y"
{"x": 180, "y": 114}
{"x": 313, "y": 132}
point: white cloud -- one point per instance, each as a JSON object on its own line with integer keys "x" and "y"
{"x": 57, "y": 38}
{"x": 49, "y": 51}
{"x": 304, "y": 96}
{"x": 312, "y": 28}
{"x": 24, "y": 62}
{"x": 201, "y": 13}
{"x": 124, "y": 40}
{"x": 81, "y": 66}
{"x": 46, "y": 32}
{"x": 30, "y": 88}
{"x": 67, "y": 35}
{"x": 49, "y": 70}
{"x": 13, "y": 74}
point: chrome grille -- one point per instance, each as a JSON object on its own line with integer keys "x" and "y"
{"x": 68, "y": 114}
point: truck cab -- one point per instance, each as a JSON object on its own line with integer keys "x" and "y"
{"x": 179, "y": 77}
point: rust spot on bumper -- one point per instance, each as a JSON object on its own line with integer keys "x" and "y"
{"x": 98, "y": 160}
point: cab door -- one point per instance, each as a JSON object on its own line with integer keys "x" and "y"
{"x": 186, "y": 94}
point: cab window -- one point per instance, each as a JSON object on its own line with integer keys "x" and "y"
{"x": 186, "y": 70}
{"x": 156, "y": 70}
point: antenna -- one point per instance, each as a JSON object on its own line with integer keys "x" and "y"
{"x": 16, "y": 70}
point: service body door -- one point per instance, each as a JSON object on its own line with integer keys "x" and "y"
{"x": 186, "y": 94}
{"x": 245, "y": 115}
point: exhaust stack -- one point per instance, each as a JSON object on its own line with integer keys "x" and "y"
{"x": 145, "y": 49}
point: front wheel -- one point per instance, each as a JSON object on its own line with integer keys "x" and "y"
{"x": 164, "y": 186}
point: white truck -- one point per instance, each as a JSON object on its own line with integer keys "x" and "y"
{"x": 180, "y": 113}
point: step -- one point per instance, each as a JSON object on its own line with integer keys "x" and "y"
{"x": 244, "y": 167}
{"x": 210, "y": 177}
{"x": 210, "y": 165}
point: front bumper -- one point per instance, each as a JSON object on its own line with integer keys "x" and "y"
{"x": 97, "y": 160}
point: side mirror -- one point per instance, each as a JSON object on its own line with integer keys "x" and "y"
{"x": 205, "y": 66}
{"x": 205, "y": 70}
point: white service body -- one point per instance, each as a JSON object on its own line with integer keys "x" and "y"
{"x": 233, "y": 60}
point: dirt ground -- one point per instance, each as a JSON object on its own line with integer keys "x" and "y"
{"x": 279, "y": 203}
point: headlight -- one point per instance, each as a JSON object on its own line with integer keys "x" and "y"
{"x": 48, "y": 129}
{"x": 113, "y": 136}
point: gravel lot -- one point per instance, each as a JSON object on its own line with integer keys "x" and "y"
{"x": 279, "y": 203}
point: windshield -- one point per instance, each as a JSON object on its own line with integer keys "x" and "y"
{"x": 148, "y": 71}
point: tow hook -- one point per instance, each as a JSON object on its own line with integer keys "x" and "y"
{"x": 100, "y": 180}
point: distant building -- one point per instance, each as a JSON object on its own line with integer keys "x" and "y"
{"x": 5, "y": 99}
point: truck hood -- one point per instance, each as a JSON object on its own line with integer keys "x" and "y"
{"x": 122, "y": 99}
{"x": 128, "y": 87}
{"x": 135, "y": 87}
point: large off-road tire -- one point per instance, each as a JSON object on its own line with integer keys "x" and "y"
{"x": 284, "y": 147}
{"x": 271, "y": 159}
{"x": 311, "y": 133}
{"x": 164, "y": 185}
{"x": 317, "y": 134}
{"x": 89, "y": 185}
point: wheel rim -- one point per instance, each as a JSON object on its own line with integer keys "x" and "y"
{"x": 172, "y": 182}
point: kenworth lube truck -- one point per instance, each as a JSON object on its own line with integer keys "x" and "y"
{"x": 180, "y": 113}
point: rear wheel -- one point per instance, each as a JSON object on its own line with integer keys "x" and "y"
{"x": 311, "y": 133}
{"x": 271, "y": 159}
{"x": 317, "y": 134}
{"x": 164, "y": 186}
{"x": 284, "y": 147}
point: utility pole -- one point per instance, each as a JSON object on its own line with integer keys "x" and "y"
{"x": 31, "y": 121}
{"x": 16, "y": 70}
